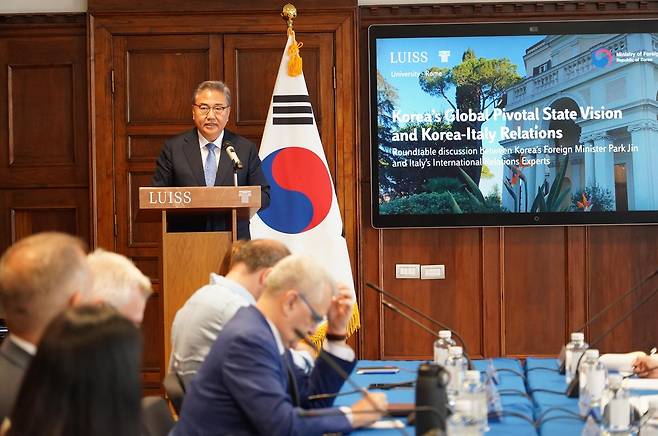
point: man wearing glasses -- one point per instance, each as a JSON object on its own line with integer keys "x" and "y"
{"x": 247, "y": 386}
{"x": 198, "y": 157}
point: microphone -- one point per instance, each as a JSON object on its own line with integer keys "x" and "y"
{"x": 425, "y": 316}
{"x": 573, "y": 390}
{"x": 230, "y": 151}
{"x": 342, "y": 374}
{"x": 606, "y": 308}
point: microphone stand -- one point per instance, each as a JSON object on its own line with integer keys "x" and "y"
{"x": 574, "y": 386}
{"x": 345, "y": 376}
{"x": 415, "y": 321}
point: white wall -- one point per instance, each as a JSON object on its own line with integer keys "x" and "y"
{"x": 26, "y": 6}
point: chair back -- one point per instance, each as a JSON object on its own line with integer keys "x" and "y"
{"x": 156, "y": 417}
{"x": 174, "y": 390}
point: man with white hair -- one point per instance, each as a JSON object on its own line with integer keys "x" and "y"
{"x": 40, "y": 276}
{"x": 119, "y": 283}
{"x": 247, "y": 385}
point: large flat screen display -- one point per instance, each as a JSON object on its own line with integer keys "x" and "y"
{"x": 514, "y": 123}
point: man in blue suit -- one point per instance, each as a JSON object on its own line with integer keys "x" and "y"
{"x": 198, "y": 157}
{"x": 247, "y": 384}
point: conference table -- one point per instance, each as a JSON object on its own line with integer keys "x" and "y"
{"x": 532, "y": 396}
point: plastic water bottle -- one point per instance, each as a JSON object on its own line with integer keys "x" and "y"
{"x": 574, "y": 350}
{"x": 456, "y": 367}
{"x": 473, "y": 391}
{"x": 596, "y": 377}
{"x": 651, "y": 427}
{"x": 461, "y": 422}
{"x": 617, "y": 418}
{"x": 587, "y": 364}
{"x": 441, "y": 347}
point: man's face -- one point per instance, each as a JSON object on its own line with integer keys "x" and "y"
{"x": 215, "y": 105}
{"x": 306, "y": 316}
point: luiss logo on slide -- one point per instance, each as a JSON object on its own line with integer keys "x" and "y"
{"x": 300, "y": 183}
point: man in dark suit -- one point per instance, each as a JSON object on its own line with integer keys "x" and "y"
{"x": 39, "y": 277}
{"x": 247, "y": 385}
{"x": 199, "y": 158}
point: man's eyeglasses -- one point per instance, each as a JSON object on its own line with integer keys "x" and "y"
{"x": 204, "y": 108}
{"x": 317, "y": 318}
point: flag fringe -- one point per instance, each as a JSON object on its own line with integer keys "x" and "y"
{"x": 295, "y": 62}
{"x": 352, "y": 326}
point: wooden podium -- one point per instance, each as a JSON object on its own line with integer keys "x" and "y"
{"x": 187, "y": 258}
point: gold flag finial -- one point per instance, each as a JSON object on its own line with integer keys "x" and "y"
{"x": 289, "y": 13}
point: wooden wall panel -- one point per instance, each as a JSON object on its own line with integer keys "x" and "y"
{"x": 455, "y": 301}
{"x": 534, "y": 290}
{"x": 534, "y": 284}
{"x": 44, "y": 149}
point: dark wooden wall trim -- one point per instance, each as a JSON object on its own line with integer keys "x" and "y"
{"x": 509, "y": 291}
{"x": 492, "y": 11}
{"x": 181, "y": 6}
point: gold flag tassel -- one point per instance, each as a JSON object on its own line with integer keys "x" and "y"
{"x": 289, "y": 13}
{"x": 321, "y": 332}
{"x": 295, "y": 62}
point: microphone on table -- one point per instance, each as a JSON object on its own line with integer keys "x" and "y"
{"x": 342, "y": 374}
{"x": 422, "y": 315}
{"x": 230, "y": 151}
{"x": 573, "y": 389}
{"x": 604, "y": 310}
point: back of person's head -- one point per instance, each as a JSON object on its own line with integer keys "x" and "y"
{"x": 302, "y": 274}
{"x": 257, "y": 254}
{"x": 39, "y": 277}
{"x": 84, "y": 379}
{"x": 119, "y": 283}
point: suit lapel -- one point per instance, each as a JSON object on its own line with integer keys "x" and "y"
{"x": 225, "y": 168}
{"x": 193, "y": 156}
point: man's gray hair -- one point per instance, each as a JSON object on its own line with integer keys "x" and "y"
{"x": 300, "y": 273}
{"x": 213, "y": 85}
{"x": 115, "y": 278}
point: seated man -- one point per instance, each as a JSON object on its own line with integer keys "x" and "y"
{"x": 40, "y": 276}
{"x": 205, "y": 313}
{"x": 119, "y": 283}
{"x": 247, "y": 385}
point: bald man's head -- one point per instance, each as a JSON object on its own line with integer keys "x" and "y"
{"x": 40, "y": 276}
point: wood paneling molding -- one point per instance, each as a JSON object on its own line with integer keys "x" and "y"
{"x": 98, "y": 6}
{"x": 490, "y": 11}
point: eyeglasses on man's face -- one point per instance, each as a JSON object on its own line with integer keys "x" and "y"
{"x": 204, "y": 109}
{"x": 316, "y": 317}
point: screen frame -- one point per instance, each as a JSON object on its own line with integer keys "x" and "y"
{"x": 567, "y": 27}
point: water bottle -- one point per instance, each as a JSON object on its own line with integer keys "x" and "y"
{"x": 473, "y": 391}
{"x": 441, "y": 347}
{"x": 651, "y": 427}
{"x": 456, "y": 367}
{"x": 461, "y": 422}
{"x": 596, "y": 385}
{"x": 589, "y": 360}
{"x": 574, "y": 350}
{"x": 617, "y": 415}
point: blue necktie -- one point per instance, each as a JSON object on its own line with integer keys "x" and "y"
{"x": 210, "y": 169}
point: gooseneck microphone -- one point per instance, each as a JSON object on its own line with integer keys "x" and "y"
{"x": 342, "y": 374}
{"x": 230, "y": 151}
{"x": 609, "y": 306}
{"x": 423, "y": 315}
{"x": 573, "y": 389}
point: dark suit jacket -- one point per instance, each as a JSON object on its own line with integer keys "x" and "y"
{"x": 242, "y": 387}
{"x": 13, "y": 364}
{"x": 180, "y": 164}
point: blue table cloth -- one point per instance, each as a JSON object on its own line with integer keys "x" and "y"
{"x": 512, "y": 387}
